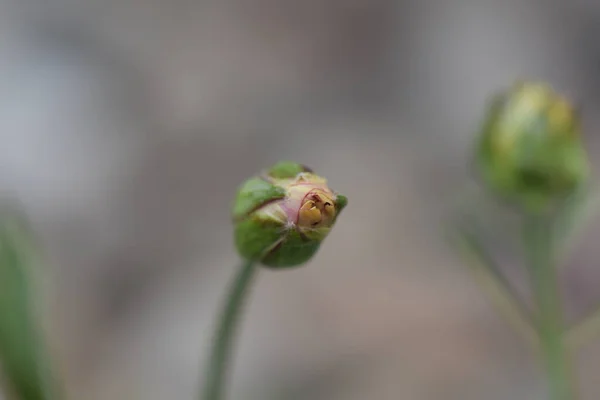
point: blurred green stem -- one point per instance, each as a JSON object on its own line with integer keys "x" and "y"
{"x": 539, "y": 246}
{"x": 26, "y": 365}
{"x": 225, "y": 334}
{"x": 464, "y": 236}
{"x": 488, "y": 276}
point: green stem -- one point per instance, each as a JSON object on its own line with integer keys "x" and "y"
{"x": 487, "y": 274}
{"x": 539, "y": 246}
{"x": 224, "y": 335}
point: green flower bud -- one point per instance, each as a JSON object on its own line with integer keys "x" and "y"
{"x": 530, "y": 149}
{"x": 282, "y": 216}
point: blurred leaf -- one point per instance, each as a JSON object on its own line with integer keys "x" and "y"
{"x": 570, "y": 224}
{"x": 576, "y": 215}
{"x": 21, "y": 349}
{"x": 464, "y": 236}
{"x": 584, "y": 331}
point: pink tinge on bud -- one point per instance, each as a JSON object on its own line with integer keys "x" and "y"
{"x": 309, "y": 204}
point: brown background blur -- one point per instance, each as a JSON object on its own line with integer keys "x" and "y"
{"x": 126, "y": 125}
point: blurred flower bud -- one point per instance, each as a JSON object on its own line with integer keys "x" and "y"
{"x": 282, "y": 217}
{"x": 530, "y": 150}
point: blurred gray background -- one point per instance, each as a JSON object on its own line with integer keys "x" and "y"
{"x": 126, "y": 126}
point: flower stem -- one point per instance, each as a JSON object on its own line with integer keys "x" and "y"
{"x": 224, "y": 335}
{"x": 539, "y": 246}
{"x": 486, "y": 272}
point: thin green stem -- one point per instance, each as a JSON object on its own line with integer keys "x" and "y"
{"x": 539, "y": 242}
{"x": 500, "y": 293}
{"x": 214, "y": 388}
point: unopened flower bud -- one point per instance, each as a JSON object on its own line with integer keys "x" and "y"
{"x": 530, "y": 149}
{"x": 282, "y": 216}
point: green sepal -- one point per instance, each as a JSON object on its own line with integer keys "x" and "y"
{"x": 316, "y": 234}
{"x": 255, "y": 236}
{"x": 341, "y": 202}
{"x": 254, "y": 193}
{"x": 286, "y": 170}
{"x": 293, "y": 251}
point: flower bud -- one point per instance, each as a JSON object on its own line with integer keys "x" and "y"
{"x": 530, "y": 149}
{"x": 282, "y": 216}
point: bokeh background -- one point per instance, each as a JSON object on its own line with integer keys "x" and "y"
{"x": 126, "y": 126}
